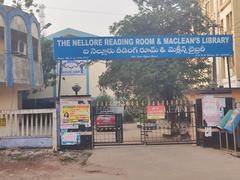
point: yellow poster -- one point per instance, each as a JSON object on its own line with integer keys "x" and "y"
{"x": 3, "y": 122}
{"x": 76, "y": 114}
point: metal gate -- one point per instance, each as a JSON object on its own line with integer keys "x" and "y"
{"x": 108, "y": 133}
{"x": 178, "y": 126}
{"x": 114, "y": 128}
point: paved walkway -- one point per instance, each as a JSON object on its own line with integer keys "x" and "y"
{"x": 175, "y": 162}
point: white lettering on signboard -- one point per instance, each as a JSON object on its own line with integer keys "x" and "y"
{"x": 145, "y": 41}
{"x": 63, "y": 43}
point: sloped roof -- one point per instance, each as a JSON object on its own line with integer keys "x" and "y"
{"x": 69, "y": 32}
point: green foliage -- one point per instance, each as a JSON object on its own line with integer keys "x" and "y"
{"x": 102, "y": 99}
{"x": 159, "y": 79}
{"x": 28, "y": 3}
{"x": 129, "y": 116}
{"x": 48, "y": 63}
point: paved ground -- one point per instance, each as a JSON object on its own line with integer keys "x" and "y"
{"x": 132, "y": 134}
{"x": 174, "y": 162}
{"x": 182, "y": 162}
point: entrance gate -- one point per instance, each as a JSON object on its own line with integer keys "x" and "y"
{"x": 132, "y": 127}
{"x": 178, "y": 123}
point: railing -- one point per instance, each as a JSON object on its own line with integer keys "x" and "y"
{"x": 29, "y": 123}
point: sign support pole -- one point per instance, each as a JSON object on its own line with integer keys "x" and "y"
{"x": 229, "y": 76}
{"x": 234, "y": 139}
{"x": 214, "y": 59}
{"x": 226, "y": 136}
{"x": 58, "y": 104}
{"x": 220, "y": 139}
{"x": 59, "y": 81}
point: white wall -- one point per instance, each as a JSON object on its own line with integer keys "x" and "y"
{"x": 96, "y": 70}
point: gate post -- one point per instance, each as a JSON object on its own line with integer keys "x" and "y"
{"x": 92, "y": 110}
{"x": 119, "y": 128}
{"x": 193, "y": 122}
{"x": 198, "y": 119}
{"x": 54, "y": 131}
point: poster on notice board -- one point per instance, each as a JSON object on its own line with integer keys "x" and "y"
{"x": 70, "y": 138}
{"x": 155, "y": 112}
{"x": 212, "y": 110}
{"x": 74, "y": 113}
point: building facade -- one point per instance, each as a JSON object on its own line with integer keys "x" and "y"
{"x": 73, "y": 73}
{"x": 20, "y": 56}
{"x": 225, "y": 16}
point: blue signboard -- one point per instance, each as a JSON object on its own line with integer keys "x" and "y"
{"x": 137, "y": 47}
{"x": 70, "y": 138}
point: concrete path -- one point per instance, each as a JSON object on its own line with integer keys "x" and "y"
{"x": 174, "y": 162}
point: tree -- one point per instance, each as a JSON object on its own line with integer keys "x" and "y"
{"x": 28, "y": 4}
{"x": 158, "y": 78}
{"x": 102, "y": 99}
{"x": 48, "y": 63}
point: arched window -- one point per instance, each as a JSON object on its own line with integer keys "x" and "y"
{"x": 19, "y": 37}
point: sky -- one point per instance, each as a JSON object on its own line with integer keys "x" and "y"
{"x": 91, "y": 16}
